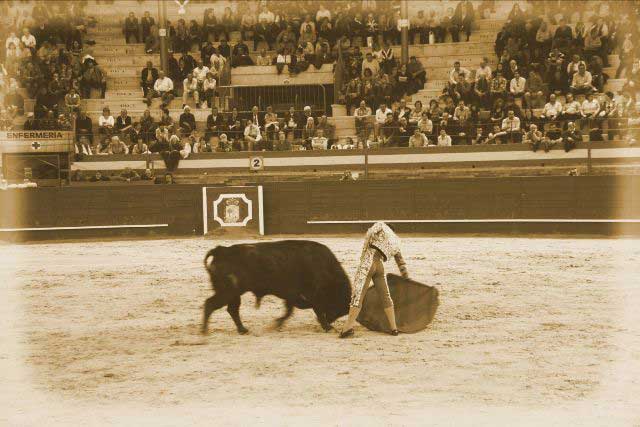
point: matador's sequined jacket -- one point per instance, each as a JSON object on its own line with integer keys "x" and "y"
{"x": 379, "y": 238}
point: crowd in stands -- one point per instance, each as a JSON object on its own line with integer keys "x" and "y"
{"x": 43, "y": 60}
{"x": 549, "y": 78}
{"x": 540, "y": 60}
{"x": 234, "y": 131}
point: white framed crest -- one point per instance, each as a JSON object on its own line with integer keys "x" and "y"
{"x": 221, "y": 221}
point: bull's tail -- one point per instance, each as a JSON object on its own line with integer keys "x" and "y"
{"x": 207, "y": 264}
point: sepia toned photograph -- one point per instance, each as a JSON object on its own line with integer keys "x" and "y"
{"x": 319, "y": 213}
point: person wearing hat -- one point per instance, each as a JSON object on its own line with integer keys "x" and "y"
{"x": 187, "y": 122}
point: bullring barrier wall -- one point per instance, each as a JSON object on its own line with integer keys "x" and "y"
{"x": 566, "y": 204}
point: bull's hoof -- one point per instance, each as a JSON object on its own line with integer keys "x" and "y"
{"x": 327, "y": 328}
{"x": 347, "y": 334}
{"x": 243, "y": 331}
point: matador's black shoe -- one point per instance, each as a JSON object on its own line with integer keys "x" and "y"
{"x": 347, "y": 334}
{"x": 395, "y": 332}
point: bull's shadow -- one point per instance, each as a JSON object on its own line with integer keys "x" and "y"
{"x": 305, "y": 274}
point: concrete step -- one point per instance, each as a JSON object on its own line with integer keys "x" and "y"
{"x": 123, "y": 94}
{"x": 121, "y": 71}
{"x": 118, "y": 49}
{"x": 137, "y": 60}
{"x": 122, "y": 83}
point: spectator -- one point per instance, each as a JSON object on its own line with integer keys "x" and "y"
{"x": 136, "y": 134}
{"x": 131, "y": 28}
{"x": 570, "y": 137}
{"x": 456, "y": 72}
{"x": 571, "y": 109}
{"x": 535, "y": 138}
{"x": 271, "y": 126}
{"x": 498, "y": 88}
{"x": 82, "y": 148}
{"x": 370, "y": 63}
{"x": 190, "y": 88}
{"x": 148, "y": 76}
{"x": 319, "y": 141}
{"x": 209, "y": 87}
{"x": 581, "y": 82}
{"x": 117, "y": 147}
{"x": 417, "y": 74}
{"x": 534, "y": 95}
{"x": 146, "y": 23}
{"x": 511, "y": 125}
{"x": 517, "y": 85}
{"x": 123, "y": 122}
{"x": 418, "y": 139}
{"x": 93, "y": 78}
{"x": 363, "y": 119}
{"x": 252, "y": 136}
{"x": 162, "y": 88}
{"x": 263, "y": 59}
{"x": 72, "y": 101}
{"x": 31, "y": 124}
{"x": 589, "y": 110}
{"x": 106, "y": 122}
{"x": 84, "y": 125}
{"x": 444, "y": 140}
{"x": 140, "y": 147}
{"x": 380, "y": 119}
{"x": 552, "y": 109}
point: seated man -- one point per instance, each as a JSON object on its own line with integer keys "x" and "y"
{"x": 551, "y": 110}
{"x": 319, "y": 142}
{"x": 117, "y": 147}
{"x": 252, "y": 135}
{"x": 381, "y": 118}
{"x": 571, "y": 137}
{"x": 517, "y": 86}
{"x": 572, "y": 109}
{"x": 363, "y": 116}
{"x": 581, "y": 83}
{"x": 162, "y": 88}
{"x": 418, "y": 139}
{"x": 496, "y": 136}
{"x": 187, "y": 121}
{"x": 511, "y": 125}
{"x": 535, "y": 138}
{"x": 190, "y": 87}
{"x": 148, "y": 77}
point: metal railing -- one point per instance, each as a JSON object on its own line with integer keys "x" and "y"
{"x": 279, "y": 97}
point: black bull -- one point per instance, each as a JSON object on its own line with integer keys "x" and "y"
{"x": 303, "y": 273}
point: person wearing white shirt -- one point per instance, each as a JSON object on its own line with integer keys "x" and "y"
{"x": 511, "y": 125}
{"x": 456, "y": 71}
{"x": 381, "y": 117}
{"x": 571, "y": 109}
{"x": 190, "y": 87}
{"x": 200, "y": 73}
{"x": 319, "y": 141}
{"x": 163, "y": 88}
{"x": 28, "y": 39}
{"x": 444, "y": 140}
{"x": 266, "y": 15}
{"x": 418, "y": 139}
{"x": 209, "y": 87}
{"x": 590, "y": 109}
{"x": 484, "y": 70}
{"x": 106, "y": 122}
{"x": 251, "y": 135}
{"x": 12, "y": 39}
{"x": 552, "y": 109}
{"x": 517, "y": 85}
{"x": 581, "y": 83}
{"x": 323, "y": 12}
{"x": 425, "y": 124}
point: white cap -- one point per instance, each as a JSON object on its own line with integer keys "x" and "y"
{"x": 307, "y": 108}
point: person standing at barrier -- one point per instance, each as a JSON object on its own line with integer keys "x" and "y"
{"x": 380, "y": 243}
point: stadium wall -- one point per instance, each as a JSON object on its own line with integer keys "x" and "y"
{"x": 568, "y": 204}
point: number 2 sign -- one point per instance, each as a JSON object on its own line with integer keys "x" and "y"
{"x": 256, "y": 163}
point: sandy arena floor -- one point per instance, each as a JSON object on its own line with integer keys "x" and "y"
{"x": 529, "y": 331}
